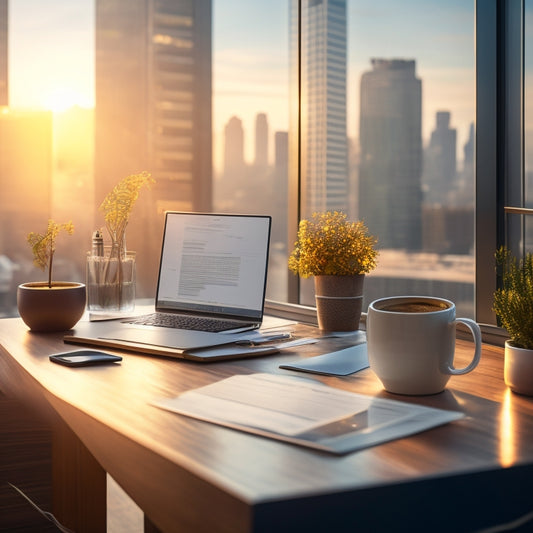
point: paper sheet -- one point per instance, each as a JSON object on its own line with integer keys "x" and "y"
{"x": 271, "y": 403}
{"x": 305, "y": 412}
{"x": 339, "y": 363}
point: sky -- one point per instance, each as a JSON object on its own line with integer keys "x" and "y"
{"x": 52, "y": 55}
{"x": 51, "y": 52}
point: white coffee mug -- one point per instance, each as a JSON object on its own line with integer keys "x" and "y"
{"x": 411, "y": 343}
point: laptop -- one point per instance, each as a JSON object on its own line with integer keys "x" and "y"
{"x": 213, "y": 268}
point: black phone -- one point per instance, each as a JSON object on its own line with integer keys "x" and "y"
{"x": 84, "y": 358}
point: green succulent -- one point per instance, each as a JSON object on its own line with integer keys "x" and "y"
{"x": 513, "y": 301}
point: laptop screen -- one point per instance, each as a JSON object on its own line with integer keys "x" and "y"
{"x": 214, "y": 264}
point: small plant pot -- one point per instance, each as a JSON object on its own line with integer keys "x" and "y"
{"x": 56, "y": 308}
{"x": 518, "y": 369}
{"x": 339, "y": 301}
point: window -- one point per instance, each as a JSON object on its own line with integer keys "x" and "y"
{"x": 501, "y": 28}
{"x": 285, "y": 108}
{"x": 251, "y": 119}
{"x": 387, "y": 135}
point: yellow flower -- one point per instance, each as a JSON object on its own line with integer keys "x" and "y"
{"x": 118, "y": 204}
{"x": 330, "y": 244}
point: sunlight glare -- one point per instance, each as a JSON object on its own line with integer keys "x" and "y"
{"x": 61, "y": 99}
{"x": 507, "y": 431}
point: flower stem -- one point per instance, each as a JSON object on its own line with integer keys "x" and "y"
{"x": 50, "y": 268}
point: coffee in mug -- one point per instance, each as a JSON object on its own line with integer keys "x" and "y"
{"x": 411, "y": 343}
{"x": 416, "y": 306}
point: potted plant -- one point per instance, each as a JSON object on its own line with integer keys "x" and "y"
{"x": 50, "y": 305}
{"x": 338, "y": 253}
{"x": 513, "y": 305}
{"x": 111, "y": 272}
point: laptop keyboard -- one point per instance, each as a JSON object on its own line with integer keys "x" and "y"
{"x": 170, "y": 320}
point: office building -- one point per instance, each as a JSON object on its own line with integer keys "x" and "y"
{"x": 281, "y": 151}
{"x": 468, "y": 151}
{"x": 323, "y": 92}
{"x": 466, "y": 186}
{"x": 390, "y": 192}
{"x": 4, "y": 94}
{"x": 440, "y": 162}
{"x": 280, "y": 189}
{"x": 448, "y": 229}
{"x": 261, "y": 141}
{"x": 153, "y": 111}
{"x": 234, "y": 166}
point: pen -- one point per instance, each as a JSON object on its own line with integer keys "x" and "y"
{"x": 98, "y": 244}
{"x": 263, "y": 340}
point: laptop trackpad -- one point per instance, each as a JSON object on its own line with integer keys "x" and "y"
{"x": 170, "y": 338}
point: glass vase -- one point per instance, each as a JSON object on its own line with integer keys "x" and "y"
{"x": 111, "y": 282}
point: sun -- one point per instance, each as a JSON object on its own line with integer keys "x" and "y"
{"x": 62, "y": 98}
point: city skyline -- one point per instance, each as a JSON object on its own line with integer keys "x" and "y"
{"x": 248, "y": 137}
{"x": 52, "y": 45}
{"x": 250, "y": 62}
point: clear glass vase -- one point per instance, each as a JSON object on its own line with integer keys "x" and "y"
{"x": 111, "y": 282}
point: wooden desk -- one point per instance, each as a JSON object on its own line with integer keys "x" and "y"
{"x": 191, "y": 476}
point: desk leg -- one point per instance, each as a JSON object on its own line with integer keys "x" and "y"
{"x": 79, "y": 483}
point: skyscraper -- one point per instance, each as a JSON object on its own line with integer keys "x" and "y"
{"x": 234, "y": 150}
{"x": 440, "y": 162}
{"x": 4, "y": 98}
{"x": 466, "y": 181}
{"x": 390, "y": 192}
{"x": 323, "y": 96}
{"x": 280, "y": 181}
{"x": 153, "y": 111}
{"x": 281, "y": 153}
{"x": 261, "y": 140}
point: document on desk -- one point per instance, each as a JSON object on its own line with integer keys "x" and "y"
{"x": 305, "y": 412}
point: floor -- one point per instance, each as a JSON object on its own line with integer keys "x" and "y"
{"x": 123, "y": 515}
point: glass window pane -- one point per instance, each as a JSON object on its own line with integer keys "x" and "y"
{"x": 198, "y": 94}
{"x": 388, "y": 99}
{"x": 46, "y": 137}
{"x": 250, "y": 119}
{"x": 193, "y": 91}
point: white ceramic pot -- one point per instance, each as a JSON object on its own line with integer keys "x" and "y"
{"x": 51, "y": 309}
{"x": 518, "y": 369}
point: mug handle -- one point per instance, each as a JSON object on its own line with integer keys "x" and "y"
{"x": 476, "y": 333}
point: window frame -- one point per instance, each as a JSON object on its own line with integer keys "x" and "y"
{"x": 499, "y": 143}
{"x": 499, "y": 155}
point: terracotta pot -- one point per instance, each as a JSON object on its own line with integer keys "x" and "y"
{"x": 339, "y": 301}
{"x": 51, "y": 309}
{"x": 518, "y": 369}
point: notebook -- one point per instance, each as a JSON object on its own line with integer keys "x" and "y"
{"x": 212, "y": 266}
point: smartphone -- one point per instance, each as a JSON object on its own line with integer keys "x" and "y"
{"x": 84, "y": 358}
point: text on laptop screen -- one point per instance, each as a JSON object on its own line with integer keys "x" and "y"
{"x": 214, "y": 263}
